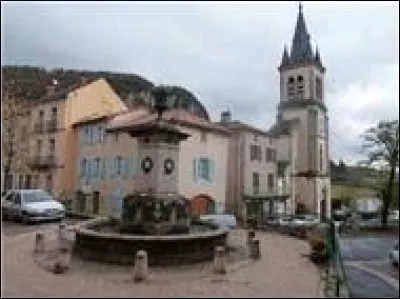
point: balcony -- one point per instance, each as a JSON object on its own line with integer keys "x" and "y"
{"x": 38, "y": 128}
{"x": 39, "y": 162}
{"x": 51, "y": 126}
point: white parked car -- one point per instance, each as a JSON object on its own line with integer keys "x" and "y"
{"x": 394, "y": 255}
{"x": 393, "y": 215}
{"x": 304, "y": 220}
{"x": 29, "y": 205}
{"x": 222, "y": 220}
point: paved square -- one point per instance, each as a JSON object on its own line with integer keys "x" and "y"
{"x": 282, "y": 272}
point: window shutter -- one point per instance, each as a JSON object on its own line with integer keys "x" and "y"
{"x": 103, "y": 168}
{"x": 199, "y": 172}
{"x": 126, "y": 167}
{"x": 134, "y": 163}
{"x": 195, "y": 170}
{"x": 212, "y": 170}
{"x": 110, "y": 168}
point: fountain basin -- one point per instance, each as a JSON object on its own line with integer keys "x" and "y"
{"x": 96, "y": 241}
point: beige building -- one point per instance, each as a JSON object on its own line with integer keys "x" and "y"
{"x": 108, "y": 164}
{"x": 285, "y": 169}
{"x": 52, "y": 144}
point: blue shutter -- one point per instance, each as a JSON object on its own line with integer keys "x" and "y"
{"x": 212, "y": 170}
{"x": 133, "y": 165}
{"x": 126, "y": 167}
{"x": 110, "y": 168}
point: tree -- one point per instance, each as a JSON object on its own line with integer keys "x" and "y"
{"x": 382, "y": 144}
{"x": 14, "y": 146}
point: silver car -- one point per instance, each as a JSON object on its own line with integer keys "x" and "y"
{"x": 30, "y": 205}
{"x": 394, "y": 255}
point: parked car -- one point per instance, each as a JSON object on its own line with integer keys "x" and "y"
{"x": 305, "y": 220}
{"x": 222, "y": 220}
{"x": 393, "y": 215}
{"x": 30, "y": 205}
{"x": 394, "y": 255}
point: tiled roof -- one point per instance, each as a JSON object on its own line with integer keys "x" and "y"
{"x": 238, "y": 125}
{"x": 182, "y": 117}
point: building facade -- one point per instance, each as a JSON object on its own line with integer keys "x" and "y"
{"x": 108, "y": 163}
{"x": 51, "y": 144}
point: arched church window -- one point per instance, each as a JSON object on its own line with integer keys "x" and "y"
{"x": 300, "y": 87}
{"x": 290, "y": 88}
{"x": 299, "y": 78}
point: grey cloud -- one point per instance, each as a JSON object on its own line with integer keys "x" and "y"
{"x": 226, "y": 54}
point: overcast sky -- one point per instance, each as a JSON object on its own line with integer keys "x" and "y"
{"x": 225, "y": 53}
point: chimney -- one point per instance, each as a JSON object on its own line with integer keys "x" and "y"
{"x": 84, "y": 80}
{"x": 226, "y": 116}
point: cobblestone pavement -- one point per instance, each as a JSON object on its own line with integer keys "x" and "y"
{"x": 281, "y": 272}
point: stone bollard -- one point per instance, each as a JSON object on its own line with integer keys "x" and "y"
{"x": 219, "y": 260}
{"x": 255, "y": 252}
{"x": 63, "y": 261}
{"x": 250, "y": 236}
{"x": 141, "y": 268}
{"x": 61, "y": 232}
{"x": 39, "y": 243}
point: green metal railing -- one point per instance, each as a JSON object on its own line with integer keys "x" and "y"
{"x": 337, "y": 270}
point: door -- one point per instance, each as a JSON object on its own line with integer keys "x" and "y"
{"x": 96, "y": 202}
{"x": 81, "y": 201}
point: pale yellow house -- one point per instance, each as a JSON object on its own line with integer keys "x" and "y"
{"x": 47, "y": 128}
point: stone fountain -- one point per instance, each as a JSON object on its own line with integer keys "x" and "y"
{"x": 155, "y": 218}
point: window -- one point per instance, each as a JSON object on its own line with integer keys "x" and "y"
{"x": 17, "y": 198}
{"x": 20, "y": 181}
{"x": 35, "y": 182}
{"x": 41, "y": 116}
{"x": 118, "y": 162}
{"x": 256, "y": 183}
{"x": 270, "y": 155}
{"x": 318, "y": 88}
{"x": 83, "y": 167}
{"x": 91, "y": 133}
{"x": 52, "y": 149}
{"x": 290, "y": 88}
{"x": 96, "y": 168}
{"x": 270, "y": 182}
{"x": 28, "y": 182}
{"x": 38, "y": 147}
{"x": 255, "y": 152}
{"x": 100, "y": 133}
{"x": 204, "y": 169}
{"x": 9, "y": 196}
{"x": 320, "y": 157}
{"x": 86, "y": 135}
{"x": 300, "y": 87}
{"x": 54, "y": 113}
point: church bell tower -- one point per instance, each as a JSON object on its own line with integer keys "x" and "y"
{"x": 302, "y": 98}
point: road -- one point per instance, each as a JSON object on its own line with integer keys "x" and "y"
{"x": 367, "y": 266}
{"x": 12, "y": 228}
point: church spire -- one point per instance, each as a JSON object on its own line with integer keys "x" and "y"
{"x": 317, "y": 57}
{"x": 301, "y": 46}
{"x": 285, "y": 57}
